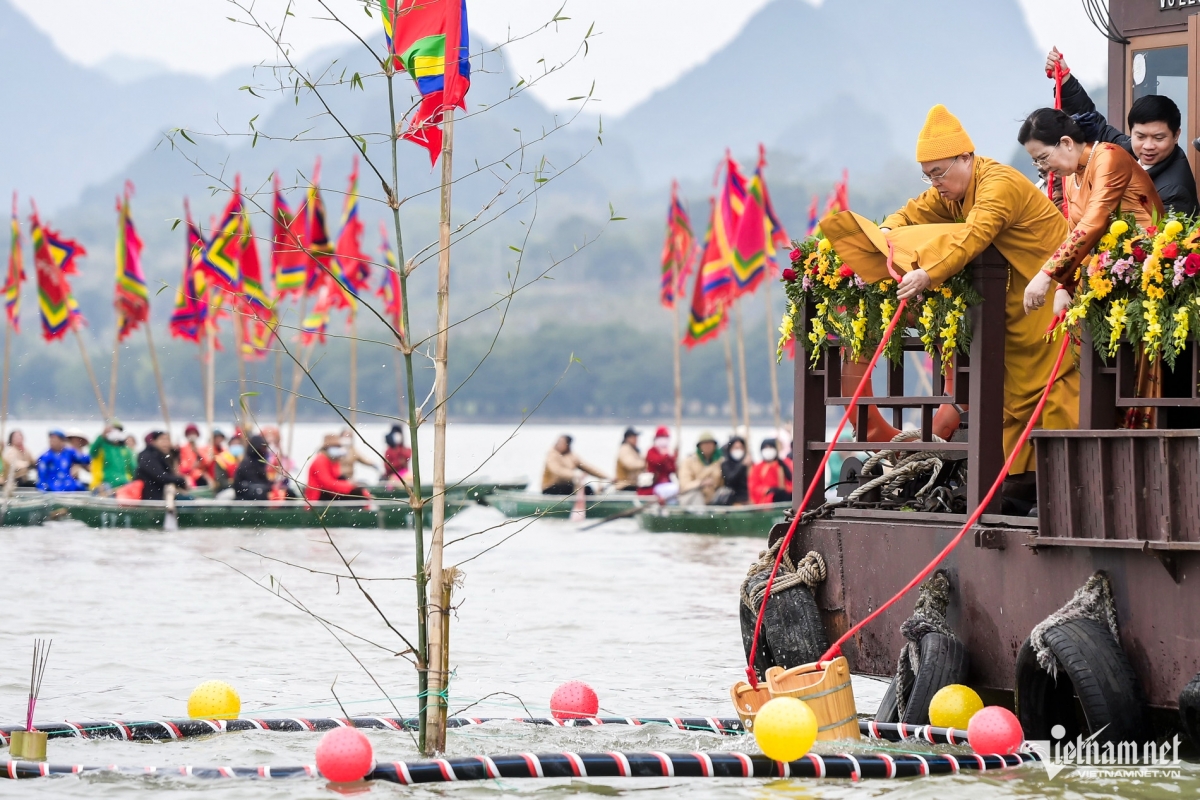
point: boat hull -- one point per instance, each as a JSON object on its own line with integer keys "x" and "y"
{"x": 529, "y": 504}
{"x": 714, "y": 520}
{"x": 473, "y": 492}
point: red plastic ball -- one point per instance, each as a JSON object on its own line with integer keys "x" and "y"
{"x": 574, "y": 700}
{"x": 996, "y": 730}
{"x": 345, "y": 755}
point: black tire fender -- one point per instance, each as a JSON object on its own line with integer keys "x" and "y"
{"x": 944, "y": 661}
{"x": 1096, "y": 690}
{"x": 792, "y": 631}
{"x": 1189, "y": 709}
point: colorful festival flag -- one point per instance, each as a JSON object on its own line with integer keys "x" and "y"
{"x": 288, "y": 261}
{"x": 252, "y": 304}
{"x": 191, "y": 310}
{"x": 353, "y": 265}
{"x": 707, "y": 315}
{"x": 317, "y": 320}
{"x": 222, "y": 255}
{"x": 429, "y": 40}
{"x": 16, "y": 273}
{"x": 679, "y": 250}
{"x": 316, "y": 237}
{"x": 54, "y": 258}
{"x": 389, "y": 287}
{"x": 777, "y": 237}
{"x": 759, "y": 233}
{"x": 715, "y": 279}
{"x": 814, "y": 216}
{"x": 839, "y": 198}
{"x": 723, "y": 281}
{"x": 131, "y": 299}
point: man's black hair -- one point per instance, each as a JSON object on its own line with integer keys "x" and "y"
{"x": 1155, "y": 108}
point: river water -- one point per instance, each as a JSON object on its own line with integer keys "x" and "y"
{"x": 650, "y": 621}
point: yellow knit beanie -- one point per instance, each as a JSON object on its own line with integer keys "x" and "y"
{"x": 942, "y": 136}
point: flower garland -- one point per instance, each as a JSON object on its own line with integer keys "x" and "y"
{"x": 853, "y": 314}
{"x": 1141, "y": 286}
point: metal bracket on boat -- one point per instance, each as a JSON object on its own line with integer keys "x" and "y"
{"x": 991, "y": 538}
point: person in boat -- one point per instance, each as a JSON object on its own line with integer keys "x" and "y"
{"x": 325, "y": 480}
{"x": 78, "y": 441}
{"x": 113, "y": 463}
{"x": 771, "y": 478}
{"x": 226, "y": 462}
{"x": 1103, "y": 180}
{"x": 1155, "y": 123}
{"x": 155, "y": 468}
{"x": 353, "y": 456}
{"x": 630, "y": 463}
{"x": 735, "y": 475}
{"x": 1000, "y": 207}
{"x": 282, "y": 469}
{"x": 208, "y": 456}
{"x": 191, "y": 459}
{"x": 252, "y": 479}
{"x": 700, "y": 473}
{"x": 562, "y": 465}
{"x": 396, "y": 457}
{"x": 660, "y": 466}
{"x": 19, "y": 463}
{"x": 55, "y": 467}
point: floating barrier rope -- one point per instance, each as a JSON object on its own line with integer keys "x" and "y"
{"x": 586, "y": 765}
{"x": 168, "y": 729}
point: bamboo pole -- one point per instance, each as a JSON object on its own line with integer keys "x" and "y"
{"x": 112, "y": 378}
{"x": 733, "y": 409}
{"x": 158, "y": 379}
{"x": 353, "y": 368}
{"x": 297, "y": 375}
{"x": 87, "y": 363}
{"x": 278, "y": 388}
{"x": 210, "y": 372}
{"x": 772, "y": 364}
{"x": 439, "y": 619}
{"x": 675, "y": 294}
{"x": 741, "y": 350}
{"x": 243, "y": 402}
{"x": 8, "y": 333}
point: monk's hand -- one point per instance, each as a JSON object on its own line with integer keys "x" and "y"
{"x": 1062, "y": 300}
{"x": 1035, "y": 292}
{"x": 913, "y": 284}
{"x": 1055, "y": 58}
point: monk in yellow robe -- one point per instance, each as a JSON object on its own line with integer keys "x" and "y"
{"x": 1000, "y": 207}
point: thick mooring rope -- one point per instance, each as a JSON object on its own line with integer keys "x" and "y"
{"x": 1093, "y": 600}
{"x": 809, "y": 572}
{"x": 929, "y": 616}
{"x": 904, "y": 470}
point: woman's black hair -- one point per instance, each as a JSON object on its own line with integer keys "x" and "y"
{"x": 1050, "y": 125}
{"x": 11, "y": 434}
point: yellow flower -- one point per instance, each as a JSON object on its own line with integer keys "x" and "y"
{"x": 1192, "y": 240}
{"x": 1180, "y": 335}
{"x": 1155, "y": 292}
{"x": 1171, "y": 229}
{"x": 946, "y": 293}
{"x": 1101, "y": 287}
{"x": 1128, "y": 247}
{"x": 1107, "y": 241}
{"x": 886, "y": 309}
{"x": 824, "y": 246}
{"x": 1118, "y": 227}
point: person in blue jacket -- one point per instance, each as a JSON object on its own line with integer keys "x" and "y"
{"x": 54, "y": 465}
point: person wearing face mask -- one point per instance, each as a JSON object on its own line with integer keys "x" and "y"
{"x": 700, "y": 473}
{"x": 735, "y": 474}
{"x": 660, "y": 467}
{"x": 325, "y": 481}
{"x": 771, "y": 478}
{"x": 191, "y": 460}
{"x": 113, "y": 463}
{"x": 227, "y": 460}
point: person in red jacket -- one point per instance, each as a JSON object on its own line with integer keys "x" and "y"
{"x": 771, "y": 478}
{"x": 660, "y": 463}
{"x": 325, "y": 481}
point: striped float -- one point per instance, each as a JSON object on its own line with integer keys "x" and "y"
{"x": 589, "y": 765}
{"x": 169, "y": 729}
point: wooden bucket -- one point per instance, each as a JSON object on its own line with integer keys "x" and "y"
{"x": 27, "y": 745}
{"x": 747, "y": 700}
{"x": 826, "y": 688}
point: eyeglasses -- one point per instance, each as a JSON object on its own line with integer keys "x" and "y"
{"x": 939, "y": 178}
{"x": 1042, "y": 161}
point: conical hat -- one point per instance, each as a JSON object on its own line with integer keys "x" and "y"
{"x": 863, "y": 247}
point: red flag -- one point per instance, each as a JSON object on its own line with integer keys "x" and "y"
{"x": 839, "y": 199}
{"x": 355, "y": 265}
{"x": 288, "y": 261}
{"x": 54, "y": 258}
{"x": 679, "y": 250}
{"x": 131, "y": 299}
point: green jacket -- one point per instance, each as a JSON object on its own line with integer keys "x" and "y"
{"x": 113, "y": 464}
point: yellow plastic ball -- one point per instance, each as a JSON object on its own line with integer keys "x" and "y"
{"x": 214, "y": 700}
{"x": 785, "y": 728}
{"x": 953, "y": 706}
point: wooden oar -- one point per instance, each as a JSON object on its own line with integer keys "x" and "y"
{"x": 629, "y": 512}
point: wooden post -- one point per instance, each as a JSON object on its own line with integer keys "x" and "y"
{"x": 297, "y": 375}
{"x": 87, "y": 363}
{"x": 210, "y": 372}
{"x": 438, "y": 615}
{"x": 278, "y": 387}
{"x": 353, "y": 367}
{"x": 158, "y": 379}
{"x": 112, "y": 378}
{"x": 741, "y": 349}
{"x": 772, "y": 364}
{"x": 985, "y": 447}
{"x": 808, "y": 423}
{"x": 733, "y": 409}
{"x": 675, "y": 293}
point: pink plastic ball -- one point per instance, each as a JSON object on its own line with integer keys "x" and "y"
{"x": 574, "y": 700}
{"x": 995, "y": 729}
{"x": 345, "y": 755}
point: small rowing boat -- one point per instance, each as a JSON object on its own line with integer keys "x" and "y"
{"x": 718, "y": 520}
{"x": 23, "y": 509}
{"x": 535, "y": 504}
{"x": 472, "y": 491}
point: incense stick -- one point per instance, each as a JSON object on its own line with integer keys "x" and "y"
{"x": 41, "y": 655}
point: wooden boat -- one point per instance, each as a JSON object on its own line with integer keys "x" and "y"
{"x": 100, "y": 512}
{"x": 24, "y": 509}
{"x": 719, "y": 520}
{"x": 472, "y": 491}
{"x": 535, "y": 504}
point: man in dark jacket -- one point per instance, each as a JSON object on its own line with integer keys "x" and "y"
{"x": 251, "y": 481}
{"x": 1154, "y": 125}
{"x": 154, "y": 467}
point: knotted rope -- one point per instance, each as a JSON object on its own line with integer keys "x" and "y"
{"x": 1093, "y": 600}
{"x": 810, "y": 572}
{"x": 929, "y": 616}
{"x": 903, "y": 470}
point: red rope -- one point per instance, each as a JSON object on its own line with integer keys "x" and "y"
{"x": 1058, "y": 82}
{"x": 835, "y": 650}
{"x": 819, "y": 474}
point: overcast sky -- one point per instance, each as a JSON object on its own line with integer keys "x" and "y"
{"x": 628, "y": 59}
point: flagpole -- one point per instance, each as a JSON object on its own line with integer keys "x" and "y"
{"x": 158, "y": 379}
{"x": 8, "y": 333}
{"x": 733, "y": 409}
{"x": 678, "y": 369}
{"x": 243, "y": 401}
{"x": 112, "y": 379}
{"x": 87, "y": 363}
{"x": 439, "y": 621}
{"x": 741, "y": 349}
{"x": 772, "y": 365}
{"x": 301, "y": 358}
{"x": 210, "y": 370}
{"x": 353, "y": 367}
{"x": 279, "y": 389}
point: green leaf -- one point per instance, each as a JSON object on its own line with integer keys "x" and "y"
{"x": 356, "y": 80}
{"x": 254, "y": 141}
{"x": 514, "y": 248}
{"x": 175, "y": 223}
{"x": 184, "y": 134}
{"x": 249, "y": 89}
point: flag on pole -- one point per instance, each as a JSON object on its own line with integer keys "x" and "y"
{"x": 707, "y": 315}
{"x": 319, "y": 259}
{"x": 715, "y": 276}
{"x": 389, "y": 287}
{"x": 777, "y": 237}
{"x": 16, "y": 273}
{"x": 839, "y": 198}
{"x": 720, "y": 258}
{"x": 131, "y": 299}
{"x": 679, "y": 250}
{"x": 317, "y": 320}
{"x": 750, "y": 240}
{"x": 222, "y": 256}
{"x": 288, "y": 261}
{"x": 191, "y": 310}
{"x": 429, "y": 40}
{"x": 54, "y": 258}
{"x": 353, "y": 265}
{"x": 814, "y": 216}
{"x": 252, "y": 304}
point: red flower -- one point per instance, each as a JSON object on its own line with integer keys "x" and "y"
{"x": 1152, "y": 230}
{"x": 1171, "y": 251}
{"x": 789, "y": 275}
{"x": 795, "y": 255}
{"x": 1138, "y": 253}
{"x": 1191, "y": 264}
{"x": 846, "y": 272}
